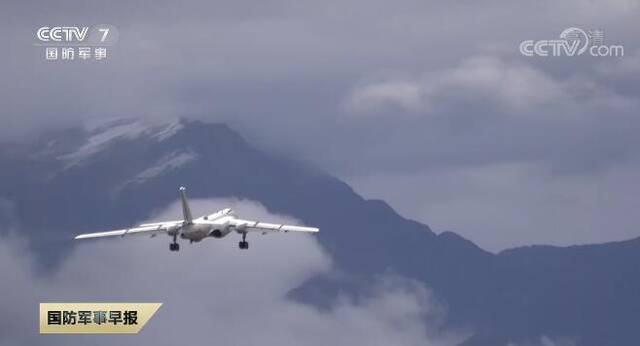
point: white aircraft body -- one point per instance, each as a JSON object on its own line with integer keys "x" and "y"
{"x": 216, "y": 225}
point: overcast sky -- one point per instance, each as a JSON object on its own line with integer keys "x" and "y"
{"x": 426, "y": 104}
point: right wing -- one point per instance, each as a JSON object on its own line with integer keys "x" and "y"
{"x": 257, "y": 226}
{"x": 142, "y": 230}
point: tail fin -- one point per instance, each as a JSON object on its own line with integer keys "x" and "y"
{"x": 186, "y": 212}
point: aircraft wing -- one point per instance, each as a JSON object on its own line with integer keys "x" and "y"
{"x": 257, "y": 226}
{"x": 165, "y": 223}
{"x": 144, "y": 230}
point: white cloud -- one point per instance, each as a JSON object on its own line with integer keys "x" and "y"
{"x": 512, "y": 86}
{"x": 214, "y": 292}
{"x": 405, "y": 95}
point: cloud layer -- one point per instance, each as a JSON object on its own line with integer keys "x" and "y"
{"x": 213, "y": 292}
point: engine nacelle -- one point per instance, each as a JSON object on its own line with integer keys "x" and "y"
{"x": 219, "y": 232}
{"x": 173, "y": 230}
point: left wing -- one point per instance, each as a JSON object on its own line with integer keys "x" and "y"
{"x": 257, "y": 226}
{"x": 148, "y": 230}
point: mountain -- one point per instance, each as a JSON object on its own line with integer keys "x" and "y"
{"x": 115, "y": 173}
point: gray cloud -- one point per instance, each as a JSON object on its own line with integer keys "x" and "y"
{"x": 214, "y": 292}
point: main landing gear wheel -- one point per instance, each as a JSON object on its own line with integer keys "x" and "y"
{"x": 244, "y": 244}
{"x": 174, "y": 246}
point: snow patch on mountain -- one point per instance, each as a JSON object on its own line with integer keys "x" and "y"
{"x": 102, "y": 134}
{"x": 169, "y": 131}
{"x": 100, "y": 140}
{"x": 168, "y": 162}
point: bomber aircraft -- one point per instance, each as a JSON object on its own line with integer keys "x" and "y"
{"x": 216, "y": 225}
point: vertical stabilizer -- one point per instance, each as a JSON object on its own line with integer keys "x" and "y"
{"x": 186, "y": 212}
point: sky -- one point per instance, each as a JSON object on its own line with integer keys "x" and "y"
{"x": 428, "y": 105}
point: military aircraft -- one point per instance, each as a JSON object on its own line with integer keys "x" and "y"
{"x": 216, "y": 225}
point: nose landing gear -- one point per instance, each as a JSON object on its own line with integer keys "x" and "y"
{"x": 244, "y": 244}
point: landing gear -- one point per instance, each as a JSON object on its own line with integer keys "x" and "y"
{"x": 244, "y": 244}
{"x": 174, "y": 246}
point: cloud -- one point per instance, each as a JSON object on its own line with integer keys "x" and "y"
{"x": 404, "y": 95}
{"x": 509, "y": 87}
{"x": 547, "y": 341}
{"x": 213, "y": 292}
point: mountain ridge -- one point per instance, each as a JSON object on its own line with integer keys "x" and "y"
{"x": 526, "y": 292}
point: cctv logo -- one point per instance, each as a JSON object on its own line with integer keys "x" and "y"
{"x": 71, "y": 42}
{"x": 573, "y": 42}
{"x": 62, "y": 33}
{"x": 94, "y": 35}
